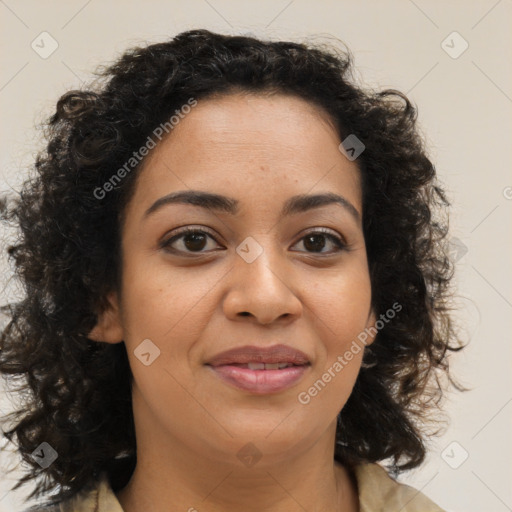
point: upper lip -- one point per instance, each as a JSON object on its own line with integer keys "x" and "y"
{"x": 254, "y": 354}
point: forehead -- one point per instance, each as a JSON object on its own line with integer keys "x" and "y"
{"x": 250, "y": 142}
{"x": 266, "y": 123}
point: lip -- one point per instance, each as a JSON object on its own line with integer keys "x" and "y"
{"x": 224, "y": 365}
{"x": 252, "y": 353}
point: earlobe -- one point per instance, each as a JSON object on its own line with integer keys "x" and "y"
{"x": 108, "y": 328}
{"x": 371, "y": 330}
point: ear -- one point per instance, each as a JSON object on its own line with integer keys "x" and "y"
{"x": 371, "y": 330}
{"x": 109, "y": 328}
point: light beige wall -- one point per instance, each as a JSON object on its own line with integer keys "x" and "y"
{"x": 465, "y": 107}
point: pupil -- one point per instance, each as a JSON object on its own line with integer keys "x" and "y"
{"x": 194, "y": 241}
{"x": 313, "y": 245}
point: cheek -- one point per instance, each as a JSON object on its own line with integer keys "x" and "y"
{"x": 159, "y": 301}
{"x": 328, "y": 391}
{"x": 340, "y": 309}
{"x": 341, "y": 303}
{"x": 171, "y": 309}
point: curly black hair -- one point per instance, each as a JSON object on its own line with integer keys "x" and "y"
{"x": 67, "y": 253}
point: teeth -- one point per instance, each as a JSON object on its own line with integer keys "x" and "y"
{"x": 267, "y": 366}
{"x": 256, "y": 366}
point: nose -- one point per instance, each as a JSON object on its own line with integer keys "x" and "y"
{"x": 263, "y": 290}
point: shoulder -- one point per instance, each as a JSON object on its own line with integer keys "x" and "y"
{"x": 98, "y": 496}
{"x": 43, "y": 508}
{"x": 377, "y": 490}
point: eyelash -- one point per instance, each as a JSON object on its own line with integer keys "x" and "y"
{"x": 166, "y": 244}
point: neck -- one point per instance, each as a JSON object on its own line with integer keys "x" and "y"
{"x": 171, "y": 476}
{"x": 220, "y": 487}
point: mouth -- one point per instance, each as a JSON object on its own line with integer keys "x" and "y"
{"x": 260, "y": 370}
{"x": 251, "y": 354}
{"x": 263, "y": 366}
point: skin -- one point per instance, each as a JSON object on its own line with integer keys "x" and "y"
{"x": 190, "y": 424}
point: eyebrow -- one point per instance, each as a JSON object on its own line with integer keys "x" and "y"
{"x": 215, "y": 202}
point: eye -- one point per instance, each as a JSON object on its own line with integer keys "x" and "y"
{"x": 195, "y": 240}
{"x": 188, "y": 239}
{"x": 315, "y": 241}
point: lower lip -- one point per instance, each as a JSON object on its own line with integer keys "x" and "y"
{"x": 260, "y": 381}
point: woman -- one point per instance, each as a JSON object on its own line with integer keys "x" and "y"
{"x": 236, "y": 285}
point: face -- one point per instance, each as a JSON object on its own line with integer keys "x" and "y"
{"x": 259, "y": 269}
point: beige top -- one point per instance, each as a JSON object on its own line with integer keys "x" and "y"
{"x": 378, "y": 492}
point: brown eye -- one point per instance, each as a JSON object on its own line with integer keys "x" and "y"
{"x": 191, "y": 240}
{"x": 194, "y": 241}
{"x": 316, "y": 241}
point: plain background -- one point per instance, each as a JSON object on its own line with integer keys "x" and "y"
{"x": 465, "y": 105}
